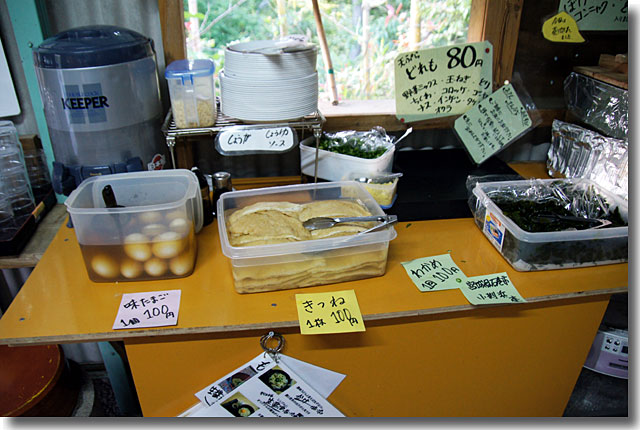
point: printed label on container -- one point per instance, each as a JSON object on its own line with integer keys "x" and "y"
{"x": 100, "y": 98}
{"x": 494, "y": 229}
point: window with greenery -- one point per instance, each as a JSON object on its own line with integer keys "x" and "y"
{"x": 364, "y": 36}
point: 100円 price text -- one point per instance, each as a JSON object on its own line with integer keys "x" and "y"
{"x": 334, "y": 312}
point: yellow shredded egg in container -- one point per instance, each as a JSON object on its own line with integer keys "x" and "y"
{"x": 382, "y": 193}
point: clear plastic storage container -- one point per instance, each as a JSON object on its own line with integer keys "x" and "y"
{"x": 149, "y": 236}
{"x": 332, "y": 166}
{"x": 309, "y": 262}
{"x": 382, "y": 186}
{"x": 527, "y": 251}
{"x": 192, "y": 92}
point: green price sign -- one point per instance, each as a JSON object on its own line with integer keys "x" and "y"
{"x": 441, "y": 82}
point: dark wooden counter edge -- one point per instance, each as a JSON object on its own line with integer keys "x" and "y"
{"x": 121, "y": 335}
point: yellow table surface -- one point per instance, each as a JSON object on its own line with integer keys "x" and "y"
{"x": 423, "y": 354}
{"x": 59, "y": 304}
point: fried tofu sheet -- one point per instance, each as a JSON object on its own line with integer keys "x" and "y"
{"x": 266, "y": 223}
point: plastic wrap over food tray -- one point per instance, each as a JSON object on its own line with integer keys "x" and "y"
{"x": 576, "y": 152}
{"x": 492, "y": 205}
{"x": 363, "y": 144}
{"x": 602, "y": 106}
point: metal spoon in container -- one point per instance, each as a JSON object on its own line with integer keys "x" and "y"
{"x": 328, "y": 222}
{"x": 392, "y": 219}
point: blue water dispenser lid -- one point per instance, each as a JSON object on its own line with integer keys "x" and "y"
{"x": 92, "y": 46}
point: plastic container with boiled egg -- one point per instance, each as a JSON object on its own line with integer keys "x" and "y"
{"x": 149, "y": 236}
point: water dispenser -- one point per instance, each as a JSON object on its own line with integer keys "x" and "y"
{"x": 101, "y": 96}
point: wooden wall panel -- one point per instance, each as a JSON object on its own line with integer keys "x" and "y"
{"x": 543, "y": 65}
{"x": 173, "y": 36}
{"x": 497, "y": 21}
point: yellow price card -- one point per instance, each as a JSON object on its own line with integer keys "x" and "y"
{"x": 333, "y": 312}
{"x": 562, "y": 28}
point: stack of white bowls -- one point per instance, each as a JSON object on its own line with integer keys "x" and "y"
{"x": 267, "y": 80}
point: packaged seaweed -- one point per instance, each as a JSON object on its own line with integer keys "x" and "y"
{"x": 552, "y": 224}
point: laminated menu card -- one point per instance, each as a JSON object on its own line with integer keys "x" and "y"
{"x": 266, "y": 388}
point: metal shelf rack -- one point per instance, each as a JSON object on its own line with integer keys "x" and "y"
{"x": 313, "y": 122}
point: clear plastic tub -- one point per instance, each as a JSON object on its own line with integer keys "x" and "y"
{"x": 152, "y": 236}
{"x": 332, "y": 166}
{"x": 309, "y": 262}
{"x": 382, "y": 186}
{"x": 527, "y": 251}
{"x": 192, "y": 92}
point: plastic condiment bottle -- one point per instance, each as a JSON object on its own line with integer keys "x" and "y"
{"x": 221, "y": 185}
{"x": 207, "y": 207}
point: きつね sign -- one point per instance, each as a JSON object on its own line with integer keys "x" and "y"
{"x": 440, "y": 82}
{"x": 490, "y": 289}
{"x": 151, "y": 309}
{"x": 492, "y": 124}
{"x": 602, "y": 15}
{"x": 434, "y": 273}
{"x": 335, "y": 312}
{"x": 562, "y": 28}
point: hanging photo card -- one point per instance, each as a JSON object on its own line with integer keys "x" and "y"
{"x": 434, "y": 273}
{"x": 562, "y": 28}
{"x": 598, "y": 15}
{"x": 492, "y": 124}
{"x": 441, "y": 82}
{"x": 324, "y": 381}
{"x": 490, "y": 290}
{"x": 263, "y": 388}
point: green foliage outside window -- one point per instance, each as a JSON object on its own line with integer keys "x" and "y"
{"x": 442, "y": 22}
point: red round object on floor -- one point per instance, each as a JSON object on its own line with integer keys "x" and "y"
{"x": 30, "y": 382}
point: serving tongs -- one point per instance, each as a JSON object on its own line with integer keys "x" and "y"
{"x": 381, "y": 178}
{"x": 318, "y": 223}
{"x": 593, "y": 222}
